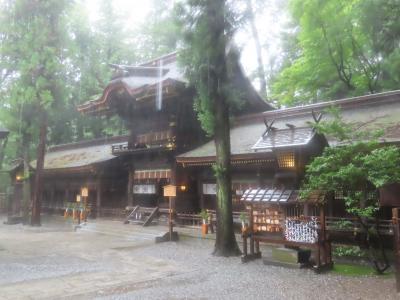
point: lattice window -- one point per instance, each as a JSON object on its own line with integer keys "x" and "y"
{"x": 286, "y": 160}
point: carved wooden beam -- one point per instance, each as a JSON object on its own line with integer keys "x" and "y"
{"x": 317, "y": 117}
{"x": 268, "y": 126}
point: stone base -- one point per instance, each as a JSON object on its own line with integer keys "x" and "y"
{"x": 167, "y": 237}
{"x": 271, "y": 262}
{"x": 12, "y": 220}
{"x": 250, "y": 257}
{"x": 291, "y": 258}
{"x": 323, "y": 268}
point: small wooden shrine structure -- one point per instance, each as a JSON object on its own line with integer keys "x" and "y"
{"x": 274, "y": 218}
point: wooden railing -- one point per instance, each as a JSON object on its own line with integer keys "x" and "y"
{"x": 119, "y": 213}
{"x": 193, "y": 219}
{"x": 353, "y": 225}
{"x": 148, "y": 140}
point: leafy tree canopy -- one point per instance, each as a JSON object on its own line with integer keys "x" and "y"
{"x": 339, "y": 48}
{"x": 358, "y": 166}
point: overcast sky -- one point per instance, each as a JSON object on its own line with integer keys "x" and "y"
{"x": 269, "y": 25}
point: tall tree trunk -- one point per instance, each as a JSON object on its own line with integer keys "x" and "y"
{"x": 26, "y": 188}
{"x": 38, "y": 186}
{"x": 225, "y": 244}
{"x": 260, "y": 63}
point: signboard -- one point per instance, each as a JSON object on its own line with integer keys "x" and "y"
{"x": 84, "y": 192}
{"x": 170, "y": 190}
{"x": 301, "y": 231}
{"x": 144, "y": 189}
{"x": 209, "y": 189}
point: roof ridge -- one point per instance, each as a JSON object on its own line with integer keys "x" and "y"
{"x": 342, "y": 103}
{"x": 172, "y": 54}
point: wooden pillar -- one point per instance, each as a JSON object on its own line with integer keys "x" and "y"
{"x": 66, "y": 194}
{"x": 251, "y": 224}
{"x": 306, "y": 210}
{"x": 52, "y": 194}
{"x": 174, "y": 168}
{"x": 98, "y": 197}
{"x": 323, "y": 243}
{"x": 245, "y": 244}
{"x": 130, "y": 188}
{"x": 396, "y": 234}
{"x": 201, "y": 194}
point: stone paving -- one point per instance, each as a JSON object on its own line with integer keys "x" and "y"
{"x": 109, "y": 260}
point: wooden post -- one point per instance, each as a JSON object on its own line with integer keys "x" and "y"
{"x": 306, "y": 210}
{"x": 245, "y": 245}
{"x": 396, "y": 234}
{"x": 130, "y": 188}
{"x": 170, "y": 225}
{"x": 251, "y": 224}
{"x": 66, "y": 194}
{"x": 323, "y": 234}
{"x": 98, "y": 198}
{"x": 52, "y": 195}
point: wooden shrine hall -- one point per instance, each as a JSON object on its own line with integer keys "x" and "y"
{"x": 269, "y": 147}
{"x": 270, "y": 150}
{"x": 156, "y": 105}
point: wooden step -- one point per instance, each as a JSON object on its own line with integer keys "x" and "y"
{"x": 147, "y": 215}
{"x": 151, "y": 217}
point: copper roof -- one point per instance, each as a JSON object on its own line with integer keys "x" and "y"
{"x": 268, "y": 195}
{"x": 137, "y": 81}
{"x": 280, "y": 138}
{"x": 378, "y": 111}
{"x": 141, "y": 79}
{"x": 79, "y": 155}
{"x": 279, "y": 196}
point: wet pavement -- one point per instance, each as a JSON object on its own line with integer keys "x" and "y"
{"x": 109, "y": 260}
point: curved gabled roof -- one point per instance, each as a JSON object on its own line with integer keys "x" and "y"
{"x": 145, "y": 78}
{"x": 376, "y": 111}
{"x": 136, "y": 81}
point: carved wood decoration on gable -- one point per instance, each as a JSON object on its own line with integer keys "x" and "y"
{"x": 268, "y": 128}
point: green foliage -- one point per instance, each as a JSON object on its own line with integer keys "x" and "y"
{"x": 159, "y": 33}
{"x": 200, "y": 56}
{"x": 204, "y": 215}
{"x": 352, "y": 251}
{"x": 243, "y": 217}
{"x": 353, "y": 270}
{"x": 342, "y": 224}
{"x": 339, "y": 48}
{"x": 52, "y": 58}
{"x": 358, "y": 167}
{"x": 33, "y": 47}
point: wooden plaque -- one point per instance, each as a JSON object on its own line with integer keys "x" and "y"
{"x": 170, "y": 190}
{"x": 84, "y": 192}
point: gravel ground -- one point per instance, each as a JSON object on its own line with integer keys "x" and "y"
{"x": 211, "y": 277}
{"x": 108, "y": 260}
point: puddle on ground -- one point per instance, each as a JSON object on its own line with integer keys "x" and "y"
{"x": 133, "y": 247}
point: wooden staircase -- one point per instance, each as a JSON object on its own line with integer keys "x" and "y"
{"x": 141, "y": 215}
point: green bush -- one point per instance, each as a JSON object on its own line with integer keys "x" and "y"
{"x": 352, "y": 251}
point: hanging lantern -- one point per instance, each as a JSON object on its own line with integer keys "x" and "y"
{"x": 84, "y": 192}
